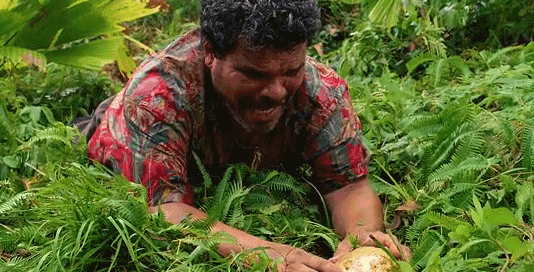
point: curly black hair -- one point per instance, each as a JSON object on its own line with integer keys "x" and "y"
{"x": 281, "y": 24}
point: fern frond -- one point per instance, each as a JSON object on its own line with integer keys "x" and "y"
{"x": 456, "y": 120}
{"x": 459, "y": 63}
{"x": 527, "y": 147}
{"x": 13, "y": 202}
{"x": 218, "y": 202}
{"x": 130, "y": 211}
{"x": 437, "y": 69}
{"x": 430, "y": 241}
{"x": 418, "y": 60}
{"x": 424, "y": 125}
{"x": 471, "y": 144}
{"x": 60, "y": 135}
{"x": 232, "y": 200}
{"x": 203, "y": 171}
{"x": 386, "y": 12}
{"x": 445, "y": 221}
{"x": 283, "y": 183}
{"x": 461, "y": 194}
{"x": 449, "y": 170}
{"x": 414, "y": 231}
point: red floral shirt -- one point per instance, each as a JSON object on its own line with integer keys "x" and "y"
{"x": 168, "y": 110}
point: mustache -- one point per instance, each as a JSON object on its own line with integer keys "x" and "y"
{"x": 263, "y": 102}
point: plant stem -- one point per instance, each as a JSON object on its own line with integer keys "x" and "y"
{"x": 401, "y": 190}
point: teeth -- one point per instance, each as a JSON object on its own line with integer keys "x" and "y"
{"x": 267, "y": 111}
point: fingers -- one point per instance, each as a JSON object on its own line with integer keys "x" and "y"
{"x": 401, "y": 252}
{"x": 301, "y": 261}
{"x": 407, "y": 252}
{"x": 322, "y": 265}
{"x": 343, "y": 248}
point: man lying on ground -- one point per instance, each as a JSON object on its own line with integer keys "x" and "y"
{"x": 242, "y": 89}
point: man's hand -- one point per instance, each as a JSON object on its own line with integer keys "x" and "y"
{"x": 401, "y": 252}
{"x": 298, "y": 260}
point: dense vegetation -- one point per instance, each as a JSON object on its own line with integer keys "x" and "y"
{"x": 444, "y": 89}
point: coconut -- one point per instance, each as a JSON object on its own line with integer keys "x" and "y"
{"x": 366, "y": 259}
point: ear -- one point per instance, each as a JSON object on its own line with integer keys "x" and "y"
{"x": 209, "y": 57}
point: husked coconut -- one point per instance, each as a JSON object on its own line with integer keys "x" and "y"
{"x": 366, "y": 259}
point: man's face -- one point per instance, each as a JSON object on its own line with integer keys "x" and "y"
{"x": 257, "y": 85}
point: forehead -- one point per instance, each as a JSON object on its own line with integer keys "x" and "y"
{"x": 268, "y": 58}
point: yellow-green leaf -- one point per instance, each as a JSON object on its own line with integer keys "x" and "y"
{"x": 93, "y": 55}
{"x": 386, "y": 13}
{"x": 17, "y": 55}
{"x": 517, "y": 247}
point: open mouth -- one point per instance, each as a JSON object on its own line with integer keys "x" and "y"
{"x": 265, "y": 114}
{"x": 268, "y": 111}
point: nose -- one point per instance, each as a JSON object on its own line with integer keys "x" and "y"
{"x": 275, "y": 91}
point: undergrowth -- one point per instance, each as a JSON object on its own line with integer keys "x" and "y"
{"x": 451, "y": 131}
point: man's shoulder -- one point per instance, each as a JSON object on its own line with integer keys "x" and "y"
{"x": 323, "y": 87}
{"x": 177, "y": 69}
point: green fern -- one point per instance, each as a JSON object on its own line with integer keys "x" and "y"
{"x": 216, "y": 207}
{"x": 61, "y": 135}
{"x": 527, "y": 147}
{"x": 450, "y": 170}
{"x": 7, "y": 131}
{"x": 456, "y": 140}
{"x": 414, "y": 231}
{"x": 445, "y": 221}
{"x": 430, "y": 242}
{"x": 418, "y": 60}
{"x": 14, "y": 202}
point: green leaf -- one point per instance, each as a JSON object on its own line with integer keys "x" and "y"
{"x": 79, "y": 21}
{"x": 6, "y": 4}
{"x": 405, "y": 267}
{"x": 386, "y": 13}
{"x": 63, "y": 30}
{"x": 120, "y": 11}
{"x": 523, "y": 197}
{"x": 418, "y": 60}
{"x": 92, "y": 55}
{"x": 499, "y": 216}
{"x": 12, "y": 161}
{"x": 462, "y": 233}
{"x": 19, "y": 55}
{"x": 517, "y": 247}
{"x": 477, "y": 213}
{"x": 272, "y": 209}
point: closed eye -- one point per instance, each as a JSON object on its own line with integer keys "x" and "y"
{"x": 292, "y": 72}
{"x": 252, "y": 74}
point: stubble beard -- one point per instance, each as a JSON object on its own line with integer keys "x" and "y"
{"x": 250, "y": 128}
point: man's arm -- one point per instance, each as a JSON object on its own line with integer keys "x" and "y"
{"x": 294, "y": 259}
{"x": 357, "y": 210}
{"x": 176, "y": 212}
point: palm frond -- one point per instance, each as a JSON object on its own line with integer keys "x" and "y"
{"x": 386, "y": 13}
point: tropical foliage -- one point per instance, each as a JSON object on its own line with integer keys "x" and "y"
{"x": 83, "y": 34}
{"x": 447, "y": 113}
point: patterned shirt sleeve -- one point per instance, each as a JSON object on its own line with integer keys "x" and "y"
{"x": 335, "y": 149}
{"x": 144, "y": 135}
